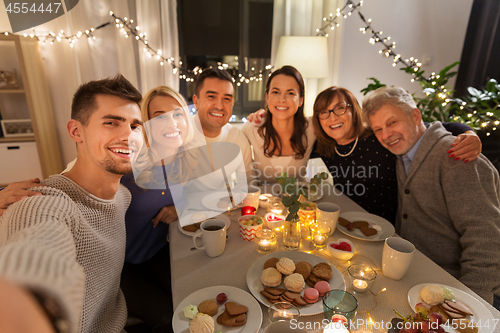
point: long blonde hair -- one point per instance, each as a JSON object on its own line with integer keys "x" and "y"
{"x": 184, "y": 162}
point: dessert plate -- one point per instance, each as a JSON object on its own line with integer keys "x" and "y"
{"x": 255, "y": 285}
{"x": 385, "y": 228}
{"x": 222, "y": 217}
{"x": 180, "y": 323}
{"x": 482, "y": 316}
{"x": 211, "y": 200}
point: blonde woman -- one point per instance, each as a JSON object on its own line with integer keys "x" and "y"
{"x": 163, "y": 165}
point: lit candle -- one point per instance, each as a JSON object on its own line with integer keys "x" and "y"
{"x": 360, "y": 286}
{"x": 277, "y": 211}
{"x": 337, "y": 325}
{"x": 265, "y": 245}
{"x": 248, "y": 210}
{"x": 319, "y": 240}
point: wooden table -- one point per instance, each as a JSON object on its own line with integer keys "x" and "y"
{"x": 194, "y": 270}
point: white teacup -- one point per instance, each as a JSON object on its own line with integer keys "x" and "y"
{"x": 397, "y": 257}
{"x": 213, "y": 236}
{"x": 328, "y": 213}
{"x": 251, "y": 196}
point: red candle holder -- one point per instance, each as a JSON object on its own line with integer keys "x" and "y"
{"x": 248, "y": 210}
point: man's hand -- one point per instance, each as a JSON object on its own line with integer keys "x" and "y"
{"x": 167, "y": 215}
{"x": 256, "y": 116}
{"x": 467, "y": 146}
{"x": 17, "y": 191}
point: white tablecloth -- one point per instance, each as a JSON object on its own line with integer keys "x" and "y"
{"x": 194, "y": 270}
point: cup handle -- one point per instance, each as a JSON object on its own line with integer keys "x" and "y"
{"x": 196, "y": 235}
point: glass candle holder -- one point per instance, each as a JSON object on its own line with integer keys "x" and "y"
{"x": 274, "y": 205}
{"x": 362, "y": 278}
{"x": 283, "y": 311}
{"x": 307, "y": 216}
{"x": 319, "y": 235}
{"x": 265, "y": 241}
{"x": 339, "y": 302}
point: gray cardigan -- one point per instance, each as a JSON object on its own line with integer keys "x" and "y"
{"x": 450, "y": 210}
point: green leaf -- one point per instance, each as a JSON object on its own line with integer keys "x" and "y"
{"x": 287, "y": 200}
{"x": 294, "y": 208}
{"x": 474, "y": 92}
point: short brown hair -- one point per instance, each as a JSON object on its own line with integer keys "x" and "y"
{"x": 84, "y": 101}
{"x": 326, "y": 144}
{"x": 212, "y": 73}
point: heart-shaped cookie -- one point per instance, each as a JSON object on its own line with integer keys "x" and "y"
{"x": 235, "y": 309}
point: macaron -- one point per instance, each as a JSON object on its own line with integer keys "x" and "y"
{"x": 311, "y": 295}
{"x": 322, "y": 287}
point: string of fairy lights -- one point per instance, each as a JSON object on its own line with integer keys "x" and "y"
{"x": 129, "y": 29}
{"x": 410, "y": 65}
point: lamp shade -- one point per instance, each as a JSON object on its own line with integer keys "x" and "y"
{"x": 309, "y": 54}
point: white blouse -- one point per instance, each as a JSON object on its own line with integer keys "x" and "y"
{"x": 268, "y": 168}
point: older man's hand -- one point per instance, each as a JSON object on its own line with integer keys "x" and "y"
{"x": 17, "y": 191}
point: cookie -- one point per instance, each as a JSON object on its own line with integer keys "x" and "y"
{"x": 225, "y": 319}
{"x": 268, "y": 295}
{"x": 235, "y": 309}
{"x": 274, "y": 291}
{"x": 270, "y": 277}
{"x": 310, "y": 283}
{"x": 361, "y": 224}
{"x": 295, "y": 298}
{"x": 208, "y": 307}
{"x": 285, "y": 266}
{"x": 322, "y": 271}
{"x": 271, "y": 263}
{"x": 343, "y": 222}
{"x": 190, "y": 228}
{"x": 303, "y": 268}
{"x": 368, "y": 231}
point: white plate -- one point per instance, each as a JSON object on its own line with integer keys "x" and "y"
{"x": 222, "y": 217}
{"x": 211, "y": 200}
{"x": 255, "y": 285}
{"x": 385, "y": 228}
{"x": 478, "y": 309}
{"x": 254, "y": 314}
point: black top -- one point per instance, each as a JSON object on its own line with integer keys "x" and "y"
{"x": 368, "y": 174}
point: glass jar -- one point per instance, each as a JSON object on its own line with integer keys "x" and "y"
{"x": 292, "y": 234}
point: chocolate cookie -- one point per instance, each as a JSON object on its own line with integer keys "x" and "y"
{"x": 322, "y": 271}
{"x": 368, "y": 231}
{"x": 275, "y": 291}
{"x": 271, "y": 262}
{"x": 235, "y": 309}
{"x": 303, "y": 268}
{"x": 343, "y": 222}
{"x": 208, "y": 307}
{"x": 225, "y": 319}
{"x": 310, "y": 283}
{"x": 361, "y": 224}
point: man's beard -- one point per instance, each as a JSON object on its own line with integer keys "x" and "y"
{"x": 116, "y": 168}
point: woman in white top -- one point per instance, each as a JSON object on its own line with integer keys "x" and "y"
{"x": 284, "y": 141}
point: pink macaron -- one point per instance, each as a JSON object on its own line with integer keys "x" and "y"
{"x": 322, "y": 287}
{"x": 311, "y": 295}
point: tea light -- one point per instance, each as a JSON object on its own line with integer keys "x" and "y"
{"x": 337, "y": 325}
{"x": 248, "y": 210}
{"x": 360, "y": 286}
{"x": 265, "y": 240}
{"x": 319, "y": 235}
{"x": 362, "y": 278}
{"x": 274, "y": 205}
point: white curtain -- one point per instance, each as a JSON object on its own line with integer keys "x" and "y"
{"x": 302, "y": 18}
{"x": 111, "y": 53}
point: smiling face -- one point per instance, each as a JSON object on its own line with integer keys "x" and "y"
{"x": 214, "y": 105}
{"x": 395, "y": 129}
{"x": 283, "y": 97}
{"x": 168, "y": 124}
{"x": 339, "y": 128}
{"x": 112, "y": 136}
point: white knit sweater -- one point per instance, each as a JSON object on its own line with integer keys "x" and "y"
{"x": 69, "y": 245}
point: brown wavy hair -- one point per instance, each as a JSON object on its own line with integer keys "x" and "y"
{"x": 268, "y": 132}
{"x": 325, "y": 144}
